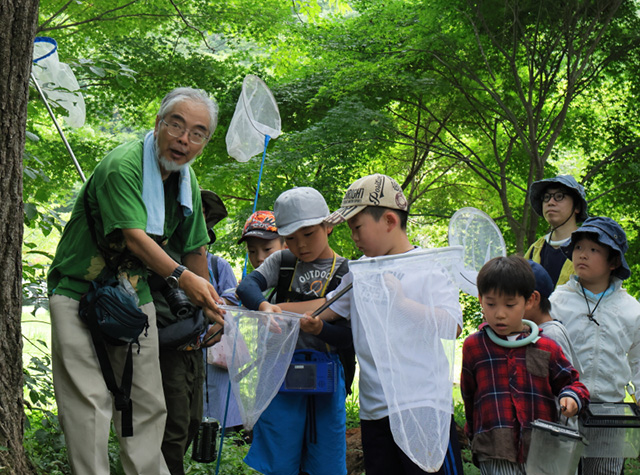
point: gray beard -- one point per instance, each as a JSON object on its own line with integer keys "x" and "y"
{"x": 170, "y": 165}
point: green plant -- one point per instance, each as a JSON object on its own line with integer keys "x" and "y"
{"x": 353, "y": 410}
{"x": 43, "y": 441}
{"x": 231, "y": 459}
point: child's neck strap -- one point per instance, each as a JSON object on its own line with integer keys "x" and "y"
{"x": 532, "y": 338}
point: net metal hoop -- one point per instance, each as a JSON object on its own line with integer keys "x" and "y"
{"x": 245, "y": 100}
{"x": 45, "y": 39}
{"x": 465, "y": 216}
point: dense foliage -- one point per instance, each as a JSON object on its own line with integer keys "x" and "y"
{"x": 465, "y": 103}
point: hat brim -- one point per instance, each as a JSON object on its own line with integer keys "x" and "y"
{"x": 213, "y": 207}
{"x": 343, "y": 214}
{"x": 260, "y": 234}
{"x": 622, "y": 271}
{"x": 289, "y": 229}
{"x": 537, "y": 190}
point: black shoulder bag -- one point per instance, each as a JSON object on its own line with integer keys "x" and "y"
{"x": 111, "y": 312}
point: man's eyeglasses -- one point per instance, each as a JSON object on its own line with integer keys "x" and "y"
{"x": 177, "y": 130}
{"x": 557, "y": 196}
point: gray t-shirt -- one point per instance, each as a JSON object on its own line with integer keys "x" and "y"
{"x": 309, "y": 279}
{"x": 558, "y": 333}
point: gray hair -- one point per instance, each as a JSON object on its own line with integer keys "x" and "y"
{"x": 180, "y": 94}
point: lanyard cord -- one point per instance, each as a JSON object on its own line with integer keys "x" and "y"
{"x": 326, "y": 284}
{"x": 591, "y": 312}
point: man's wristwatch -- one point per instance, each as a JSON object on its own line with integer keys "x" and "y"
{"x": 172, "y": 280}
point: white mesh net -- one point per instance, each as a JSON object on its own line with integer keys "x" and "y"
{"x": 255, "y": 117}
{"x": 409, "y": 310}
{"x": 258, "y": 347}
{"x": 58, "y": 82}
{"x": 481, "y": 239}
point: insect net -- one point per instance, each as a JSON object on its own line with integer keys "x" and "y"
{"x": 481, "y": 240}
{"x": 58, "y": 81}
{"x": 256, "y": 117}
{"x": 408, "y": 308}
{"x": 258, "y": 348}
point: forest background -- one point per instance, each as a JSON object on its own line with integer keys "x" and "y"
{"x": 464, "y": 103}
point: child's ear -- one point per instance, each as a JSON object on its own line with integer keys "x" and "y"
{"x": 533, "y": 300}
{"x": 615, "y": 263}
{"x": 391, "y": 219}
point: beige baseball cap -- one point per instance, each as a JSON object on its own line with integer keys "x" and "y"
{"x": 372, "y": 190}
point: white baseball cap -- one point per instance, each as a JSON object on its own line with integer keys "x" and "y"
{"x": 298, "y": 208}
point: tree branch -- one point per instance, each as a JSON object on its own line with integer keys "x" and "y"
{"x": 204, "y": 38}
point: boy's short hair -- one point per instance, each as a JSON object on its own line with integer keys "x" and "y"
{"x": 297, "y": 208}
{"x": 261, "y": 225}
{"x": 545, "y": 304}
{"x": 607, "y": 232}
{"x": 376, "y": 191}
{"x": 510, "y": 275}
{"x": 376, "y": 213}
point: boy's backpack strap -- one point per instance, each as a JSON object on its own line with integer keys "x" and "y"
{"x": 285, "y": 277}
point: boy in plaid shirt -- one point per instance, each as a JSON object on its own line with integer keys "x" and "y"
{"x": 507, "y": 385}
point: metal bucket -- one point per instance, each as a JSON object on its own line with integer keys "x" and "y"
{"x": 204, "y": 443}
{"x": 555, "y": 449}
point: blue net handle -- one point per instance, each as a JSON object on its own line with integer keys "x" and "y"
{"x": 255, "y": 200}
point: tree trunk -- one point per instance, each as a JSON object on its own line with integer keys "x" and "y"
{"x": 18, "y": 20}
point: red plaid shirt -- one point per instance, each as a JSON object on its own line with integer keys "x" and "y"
{"x": 509, "y": 388}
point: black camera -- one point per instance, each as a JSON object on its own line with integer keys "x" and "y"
{"x": 179, "y": 303}
{"x": 177, "y": 299}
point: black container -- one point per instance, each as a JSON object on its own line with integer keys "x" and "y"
{"x": 204, "y": 443}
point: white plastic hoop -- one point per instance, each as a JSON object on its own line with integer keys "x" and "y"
{"x": 481, "y": 239}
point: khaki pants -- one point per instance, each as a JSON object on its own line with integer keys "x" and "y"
{"x": 85, "y": 405}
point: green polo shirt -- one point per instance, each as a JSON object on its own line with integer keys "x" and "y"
{"x": 115, "y": 201}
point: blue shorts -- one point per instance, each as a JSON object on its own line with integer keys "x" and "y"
{"x": 302, "y": 432}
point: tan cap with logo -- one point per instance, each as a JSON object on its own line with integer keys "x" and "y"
{"x": 372, "y": 190}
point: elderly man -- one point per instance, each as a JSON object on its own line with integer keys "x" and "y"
{"x": 141, "y": 195}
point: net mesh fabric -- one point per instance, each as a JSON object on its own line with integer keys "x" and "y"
{"x": 481, "y": 239}
{"x": 59, "y": 83}
{"x": 255, "y": 117}
{"x": 409, "y": 310}
{"x": 259, "y": 347}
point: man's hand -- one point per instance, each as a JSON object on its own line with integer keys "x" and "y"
{"x": 202, "y": 294}
{"x": 312, "y": 325}
{"x": 214, "y": 317}
{"x": 568, "y": 407}
{"x": 213, "y": 335}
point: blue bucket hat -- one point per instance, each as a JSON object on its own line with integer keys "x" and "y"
{"x": 566, "y": 181}
{"x": 606, "y": 232}
{"x": 544, "y": 284}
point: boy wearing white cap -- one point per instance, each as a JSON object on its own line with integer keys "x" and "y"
{"x": 301, "y": 432}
